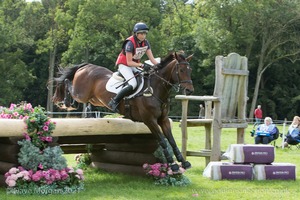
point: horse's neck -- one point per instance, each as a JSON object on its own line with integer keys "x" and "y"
{"x": 162, "y": 86}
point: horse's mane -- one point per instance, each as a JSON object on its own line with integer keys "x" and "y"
{"x": 170, "y": 57}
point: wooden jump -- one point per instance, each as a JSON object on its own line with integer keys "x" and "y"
{"x": 78, "y": 126}
{"x": 115, "y": 144}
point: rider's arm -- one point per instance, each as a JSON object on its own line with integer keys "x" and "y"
{"x": 151, "y": 57}
{"x": 130, "y": 62}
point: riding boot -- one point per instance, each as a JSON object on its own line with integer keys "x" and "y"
{"x": 113, "y": 104}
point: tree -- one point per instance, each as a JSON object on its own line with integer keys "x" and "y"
{"x": 265, "y": 31}
{"x": 14, "y": 42}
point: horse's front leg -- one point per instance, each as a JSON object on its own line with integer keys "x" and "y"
{"x": 166, "y": 128}
{"x": 155, "y": 130}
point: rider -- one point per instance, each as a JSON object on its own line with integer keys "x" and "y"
{"x": 133, "y": 48}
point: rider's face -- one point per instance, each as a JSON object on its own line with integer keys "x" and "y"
{"x": 141, "y": 36}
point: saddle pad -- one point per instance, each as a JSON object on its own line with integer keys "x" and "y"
{"x": 283, "y": 171}
{"x": 229, "y": 171}
{"x": 246, "y": 153}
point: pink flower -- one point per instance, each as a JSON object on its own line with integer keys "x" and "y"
{"x": 37, "y": 176}
{"x": 79, "y": 171}
{"x": 48, "y": 139}
{"x": 10, "y": 182}
{"x": 170, "y": 172}
{"x": 70, "y": 169}
{"x": 13, "y": 170}
{"x": 145, "y": 166}
{"x": 163, "y": 175}
{"x": 156, "y": 173}
{"x": 27, "y": 137}
{"x": 64, "y": 175}
{"x": 45, "y": 128}
{"x": 40, "y": 166}
{"x": 12, "y": 106}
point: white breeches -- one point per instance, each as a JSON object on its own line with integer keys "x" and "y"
{"x": 128, "y": 73}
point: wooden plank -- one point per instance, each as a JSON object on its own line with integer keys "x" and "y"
{"x": 126, "y": 169}
{"x": 2, "y": 181}
{"x": 149, "y": 147}
{"x": 238, "y": 72}
{"x": 9, "y": 153}
{"x": 199, "y": 153}
{"x": 197, "y": 98}
{"x": 5, "y": 166}
{"x": 79, "y": 126}
{"x": 126, "y": 158}
{"x": 235, "y": 125}
{"x": 81, "y": 148}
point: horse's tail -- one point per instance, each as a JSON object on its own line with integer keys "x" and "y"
{"x": 65, "y": 73}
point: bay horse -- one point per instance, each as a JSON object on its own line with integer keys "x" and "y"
{"x": 87, "y": 83}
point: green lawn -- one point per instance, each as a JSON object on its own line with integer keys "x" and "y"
{"x": 101, "y": 185}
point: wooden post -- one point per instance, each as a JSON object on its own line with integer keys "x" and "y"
{"x": 185, "y": 103}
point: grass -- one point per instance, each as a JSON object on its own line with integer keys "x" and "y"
{"x": 102, "y": 185}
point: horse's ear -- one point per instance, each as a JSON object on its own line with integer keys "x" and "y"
{"x": 189, "y": 58}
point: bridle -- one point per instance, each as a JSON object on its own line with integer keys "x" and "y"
{"x": 177, "y": 86}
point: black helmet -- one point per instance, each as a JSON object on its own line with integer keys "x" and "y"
{"x": 140, "y": 27}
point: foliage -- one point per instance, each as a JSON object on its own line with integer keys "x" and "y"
{"x": 31, "y": 157}
{"x": 21, "y": 181}
{"x": 83, "y": 160}
{"x": 163, "y": 175}
{"x": 43, "y": 169}
{"x": 16, "y": 111}
{"x": 39, "y": 128}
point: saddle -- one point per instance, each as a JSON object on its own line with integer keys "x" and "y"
{"x": 117, "y": 82}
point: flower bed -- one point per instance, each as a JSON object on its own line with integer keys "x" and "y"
{"x": 163, "y": 175}
{"x": 43, "y": 169}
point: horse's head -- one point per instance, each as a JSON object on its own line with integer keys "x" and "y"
{"x": 183, "y": 73}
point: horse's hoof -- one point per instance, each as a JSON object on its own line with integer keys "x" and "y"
{"x": 175, "y": 167}
{"x": 186, "y": 165}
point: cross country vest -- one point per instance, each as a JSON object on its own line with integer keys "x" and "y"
{"x": 139, "y": 49}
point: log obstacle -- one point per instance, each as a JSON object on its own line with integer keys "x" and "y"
{"x": 115, "y": 144}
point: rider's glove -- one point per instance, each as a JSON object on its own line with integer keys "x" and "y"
{"x": 146, "y": 67}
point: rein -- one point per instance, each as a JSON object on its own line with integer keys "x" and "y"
{"x": 176, "y": 88}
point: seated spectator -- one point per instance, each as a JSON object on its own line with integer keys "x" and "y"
{"x": 293, "y": 135}
{"x": 265, "y": 133}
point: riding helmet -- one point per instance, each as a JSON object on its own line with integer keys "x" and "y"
{"x": 140, "y": 27}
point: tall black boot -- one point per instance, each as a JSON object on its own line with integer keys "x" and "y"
{"x": 113, "y": 104}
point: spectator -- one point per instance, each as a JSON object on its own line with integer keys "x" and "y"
{"x": 265, "y": 133}
{"x": 258, "y": 114}
{"x": 293, "y": 135}
{"x": 201, "y": 112}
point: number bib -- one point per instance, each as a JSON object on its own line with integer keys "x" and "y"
{"x": 139, "y": 52}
